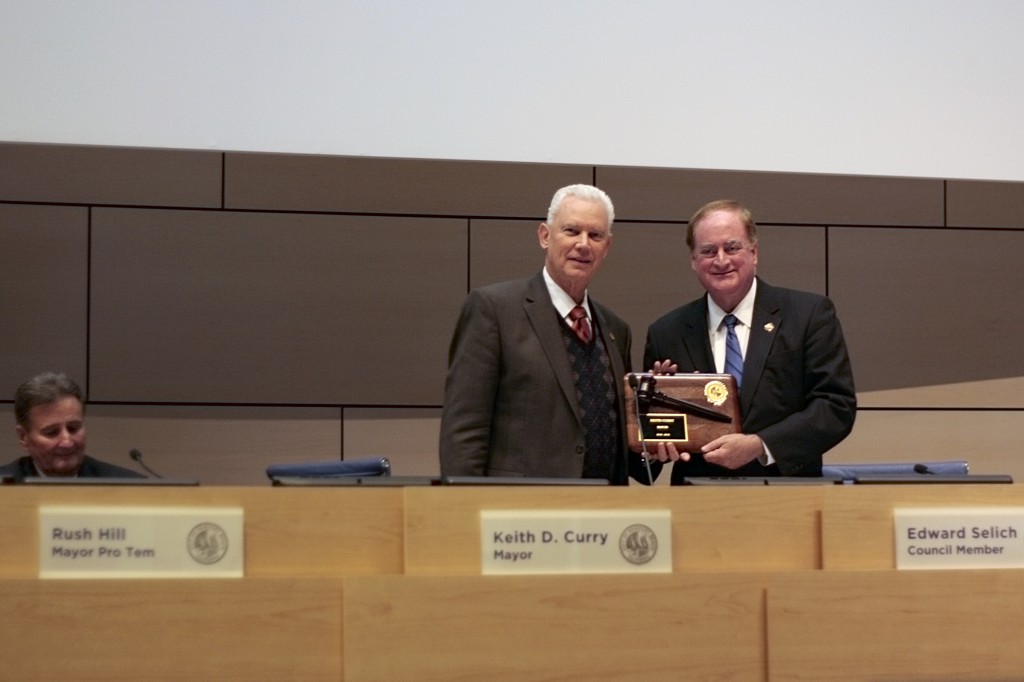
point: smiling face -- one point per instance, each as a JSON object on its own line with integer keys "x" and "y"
{"x": 723, "y": 257}
{"x": 55, "y": 437}
{"x": 576, "y": 241}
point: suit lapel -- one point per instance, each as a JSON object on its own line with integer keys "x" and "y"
{"x": 544, "y": 320}
{"x": 763, "y": 330}
{"x": 695, "y": 337}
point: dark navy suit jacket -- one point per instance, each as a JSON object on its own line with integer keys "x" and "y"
{"x": 797, "y": 392}
{"x": 22, "y": 467}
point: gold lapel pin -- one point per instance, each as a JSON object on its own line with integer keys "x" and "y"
{"x": 769, "y": 327}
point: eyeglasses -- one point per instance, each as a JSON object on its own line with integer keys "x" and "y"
{"x": 731, "y": 248}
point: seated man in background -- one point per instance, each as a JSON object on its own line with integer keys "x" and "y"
{"x": 49, "y": 411}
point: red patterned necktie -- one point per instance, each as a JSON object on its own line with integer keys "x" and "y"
{"x": 580, "y": 323}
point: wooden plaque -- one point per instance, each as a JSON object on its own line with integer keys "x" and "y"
{"x": 689, "y": 410}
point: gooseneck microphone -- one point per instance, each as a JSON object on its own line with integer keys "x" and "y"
{"x": 642, "y": 389}
{"x": 137, "y": 456}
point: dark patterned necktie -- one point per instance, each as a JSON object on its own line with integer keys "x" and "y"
{"x": 733, "y": 356}
{"x": 580, "y": 324}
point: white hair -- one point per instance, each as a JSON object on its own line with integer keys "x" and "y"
{"x": 588, "y": 192}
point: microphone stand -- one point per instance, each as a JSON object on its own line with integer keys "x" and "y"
{"x": 637, "y": 387}
{"x": 137, "y": 456}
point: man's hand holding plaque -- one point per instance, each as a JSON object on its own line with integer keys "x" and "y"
{"x": 671, "y": 415}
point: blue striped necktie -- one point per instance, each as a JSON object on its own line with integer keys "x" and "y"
{"x": 733, "y": 355}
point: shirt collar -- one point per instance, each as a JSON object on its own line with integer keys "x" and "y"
{"x": 744, "y": 310}
{"x": 563, "y": 302}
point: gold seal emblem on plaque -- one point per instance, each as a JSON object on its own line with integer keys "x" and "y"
{"x": 716, "y": 392}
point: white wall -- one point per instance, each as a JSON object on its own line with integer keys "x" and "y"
{"x": 893, "y": 87}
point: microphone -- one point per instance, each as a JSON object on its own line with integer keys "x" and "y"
{"x": 137, "y": 456}
{"x": 922, "y": 469}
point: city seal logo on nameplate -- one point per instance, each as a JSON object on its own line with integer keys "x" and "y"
{"x": 573, "y": 541}
{"x": 963, "y": 537}
{"x": 140, "y": 542}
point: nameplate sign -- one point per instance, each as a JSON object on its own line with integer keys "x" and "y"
{"x": 140, "y": 542}
{"x": 947, "y": 538}
{"x": 574, "y": 541}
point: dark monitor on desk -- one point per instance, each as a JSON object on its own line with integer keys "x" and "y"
{"x": 756, "y": 480}
{"x": 522, "y": 480}
{"x": 929, "y": 479}
{"x": 84, "y": 481}
{"x": 390, "y": 481}
{"x": 354, "y": 481}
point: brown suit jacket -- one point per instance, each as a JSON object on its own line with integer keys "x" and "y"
{"x": 510, "y": 405}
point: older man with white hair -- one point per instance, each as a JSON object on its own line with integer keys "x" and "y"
{"x": 535, "y": 367}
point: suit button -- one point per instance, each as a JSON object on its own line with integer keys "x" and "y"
{"x": 579, "y": 449}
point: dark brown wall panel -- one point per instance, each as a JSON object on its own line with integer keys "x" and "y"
{"x": 974, "y": 203}
{"x": 217, "y": 445}
{"x": 43, "y": 266}
{"x": 504, "y": 249}
{"x": 793, "y": 256}
{"x": 408, "y": 437}
{"x": 926, "y": 307}
{"x": 646, "y": 274}
{"x": 402, "y": 186}
{"x": 674, "y": 194}
{"x": 109, "y": 175}
{"x": 196, "y": 306}
{"x": 275, "y": 307}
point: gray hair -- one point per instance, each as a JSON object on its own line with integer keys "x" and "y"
{"x": 588, "y": 192}
{"x": 43, "y": 389}
{"x": 744, "y": 214}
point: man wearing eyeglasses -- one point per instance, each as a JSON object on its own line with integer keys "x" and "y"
{"x": 785, "y": 347}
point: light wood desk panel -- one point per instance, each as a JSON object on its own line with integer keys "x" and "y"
{"x": 131, "y": 630}
{"x": 896, "y": 625}
{"x": 857, "y": 520}
{"x": 307, "y": 531}
{"x": 661, "y": 627}
{"x": 324, "y": 597}
{"x": 736, "y": 528}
